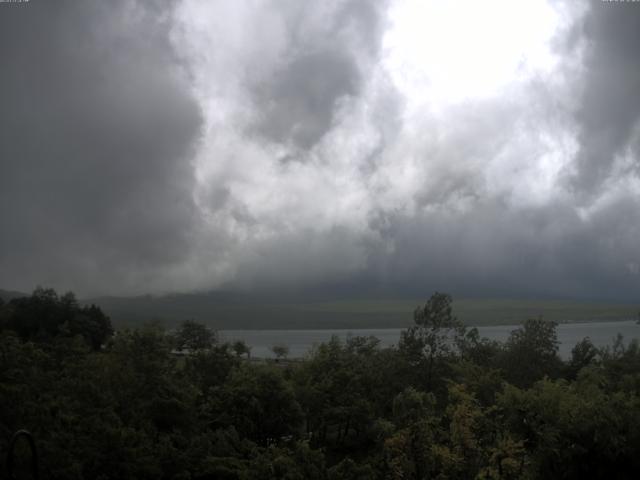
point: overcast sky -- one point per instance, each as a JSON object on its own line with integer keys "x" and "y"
{"x": 391, "y": 147}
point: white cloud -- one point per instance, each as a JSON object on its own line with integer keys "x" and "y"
{"x": 399, "y": 142}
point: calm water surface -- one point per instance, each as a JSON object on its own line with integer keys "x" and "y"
{"x": 301, "y": 341}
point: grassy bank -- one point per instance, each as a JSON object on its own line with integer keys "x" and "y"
{"x": 255, "y": 314}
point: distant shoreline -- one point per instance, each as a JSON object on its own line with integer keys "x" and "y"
{"x": 236, "y": 311}
{"x": 301, "y": 341}
{"x": 488, "y": 325}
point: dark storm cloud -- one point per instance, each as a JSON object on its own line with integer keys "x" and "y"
{"x": 495, "y": 250}
{"x": 610, "y": 109}
{"x": 380, "y": 191}
{"x": 298, "y": 102}
{"x": 95, "y": 144}
{"x": 148, "y": 147}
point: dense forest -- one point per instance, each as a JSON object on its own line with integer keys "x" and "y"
{"x": 148, "y": 403}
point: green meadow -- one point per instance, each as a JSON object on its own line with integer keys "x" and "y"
{"x": 357, "y": 313}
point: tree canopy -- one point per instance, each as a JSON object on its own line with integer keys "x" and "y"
{"x": 45, "y": 315}
{"x": 443, "y": 404}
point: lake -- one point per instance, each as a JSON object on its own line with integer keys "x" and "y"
{"x": 301, "y": 341}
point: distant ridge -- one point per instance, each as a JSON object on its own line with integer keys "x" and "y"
{"x": 227, "y": 310}
{"x": 232, "y": 310}
{"x": 7, "y": 295}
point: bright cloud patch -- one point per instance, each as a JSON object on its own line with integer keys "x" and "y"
{"x": 485, "y": 147}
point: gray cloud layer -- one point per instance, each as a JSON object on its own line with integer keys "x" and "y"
{"x": 97, "y": 134}
{"x": 609, "y": 113}
{"x": 148, "y": 146}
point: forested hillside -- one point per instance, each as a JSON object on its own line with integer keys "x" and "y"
{"x": 225, "y": 310}
{"x": 147, "y": 403}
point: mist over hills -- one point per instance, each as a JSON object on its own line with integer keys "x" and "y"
{"x": 376, "y": 145}
{"x": 7, "y": 295}
{"x": 312, "y": 310}
{"x": 228, "y": 310}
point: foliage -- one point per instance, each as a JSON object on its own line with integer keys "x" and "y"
{"x": 241, "y": 348}
{"x": 531, "y": 352}
{"x": 193, "y": 337}
{"x": 45, "y": 315}
{"x": 444, "y": 404}
{"x": 280, "y": 350}
{"x": 433, "y": 338}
